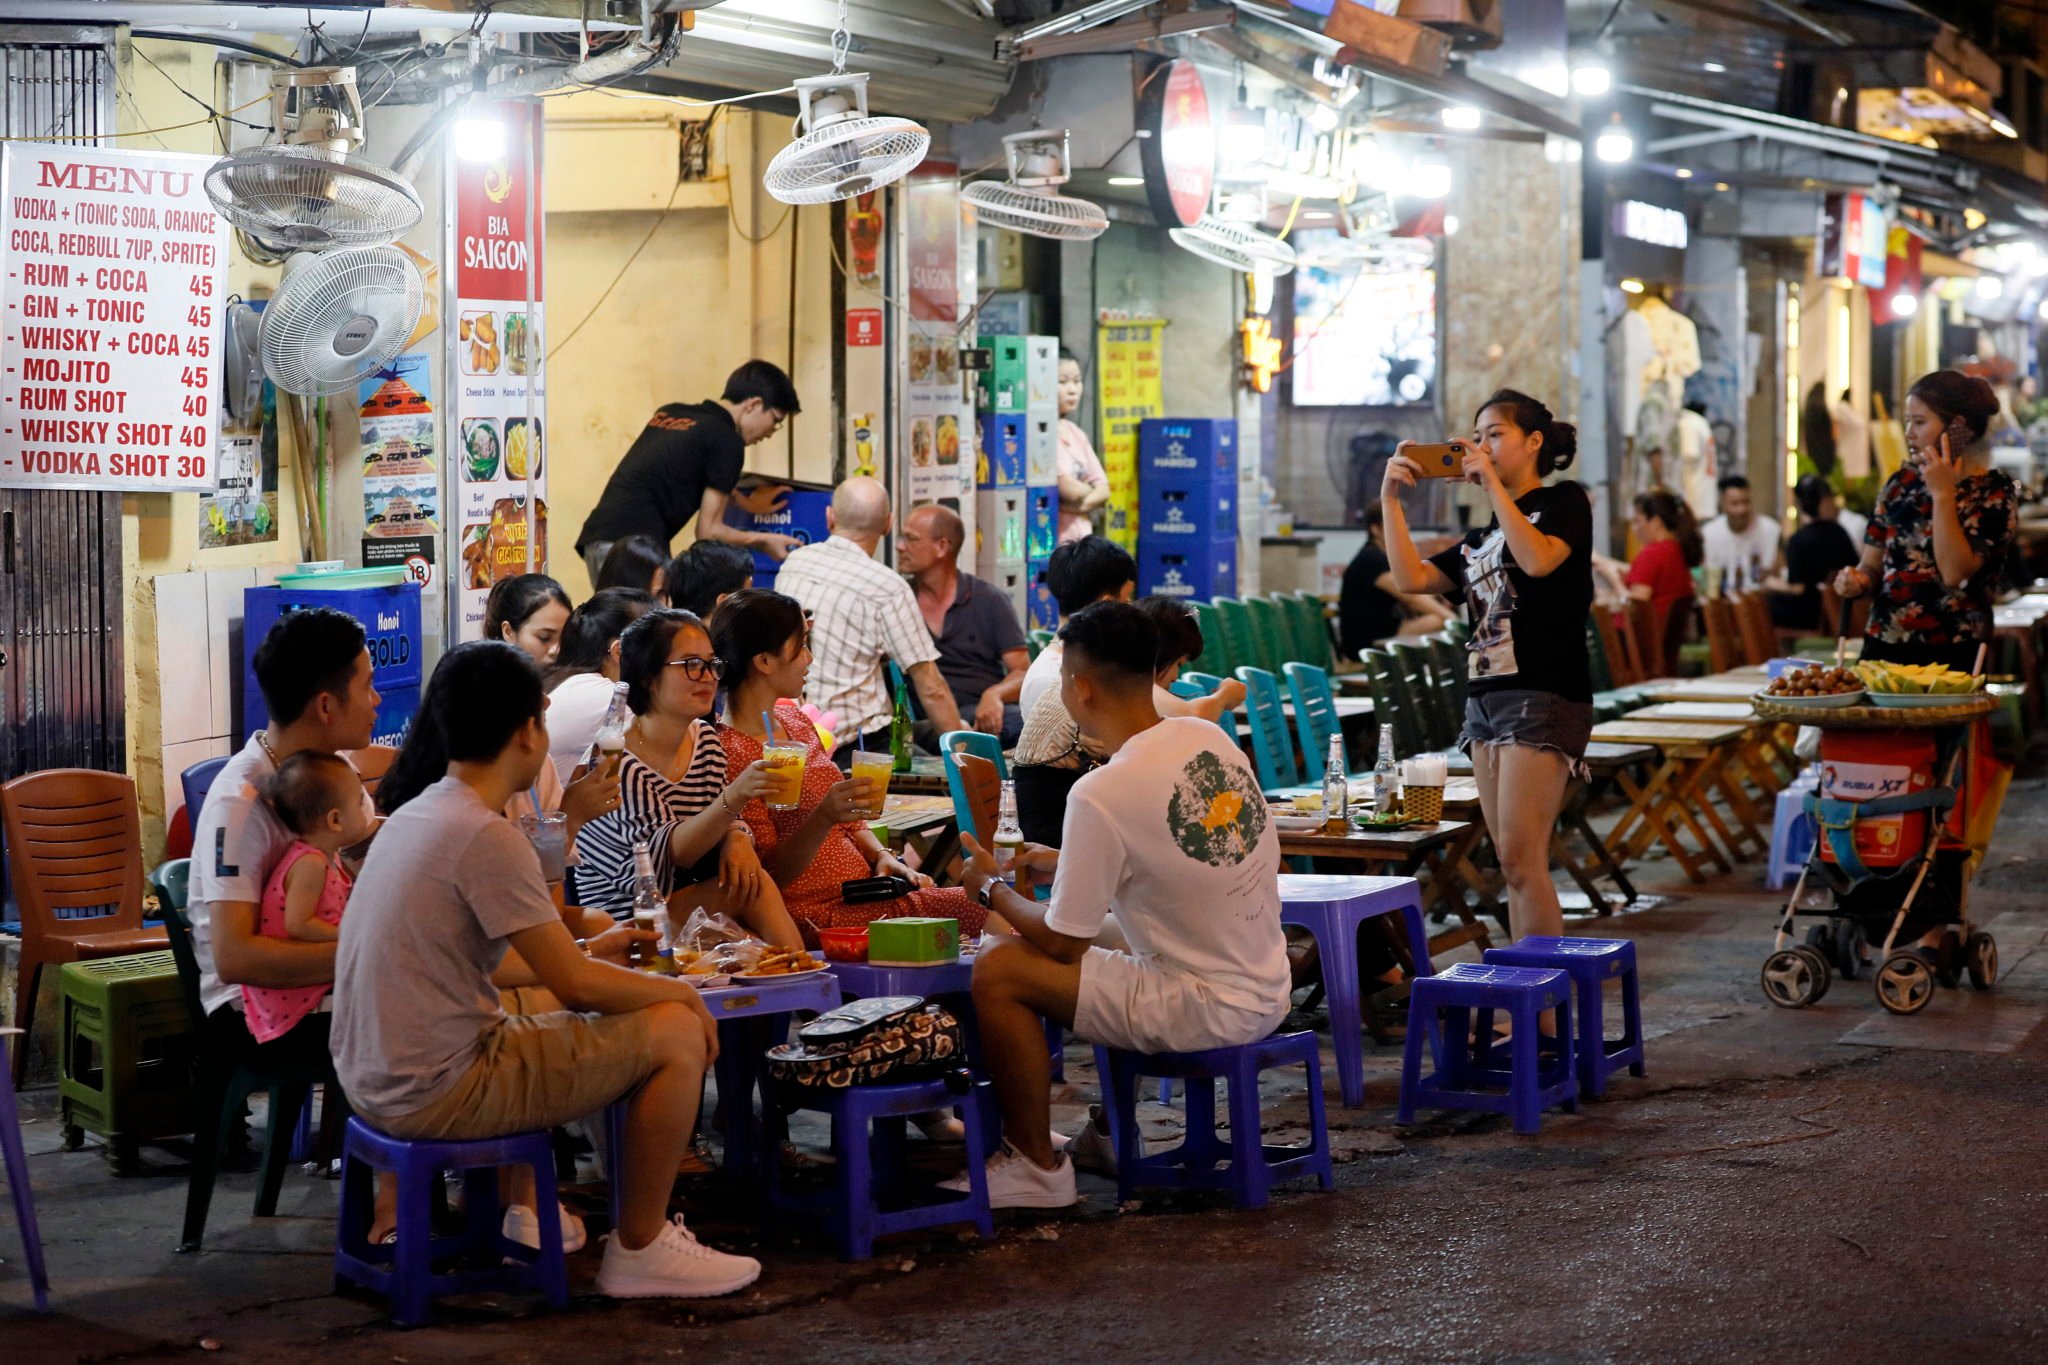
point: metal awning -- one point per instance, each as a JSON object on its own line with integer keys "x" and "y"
{"x": 1719, "y": 122}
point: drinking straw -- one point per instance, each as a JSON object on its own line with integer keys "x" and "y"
{"x": 860, "y": 742}
{"x": 533, "y": 795}
{"x": 1977, "y": 669}
{"x": 767, "y": 729}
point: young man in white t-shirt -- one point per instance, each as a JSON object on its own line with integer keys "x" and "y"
{"x": 1173, "y": 835}
{"x": 1745, "y": 548}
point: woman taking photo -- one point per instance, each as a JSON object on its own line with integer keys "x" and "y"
{"x": 580, "y": 684}
{"x": 674, "y": 792}
{"x": 527, "y": 611}
{"x": 1527, "y": 581}
{"x": 763, "y": 643}
{"x": 1943, "y": 527}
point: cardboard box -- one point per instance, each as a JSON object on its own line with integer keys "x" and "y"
{"x": 1468, "y": 23}
{"x": 1400, "y": 41}
{"x": 913, "y": 942}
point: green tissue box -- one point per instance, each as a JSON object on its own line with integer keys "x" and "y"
{"x": 916, "y": 942}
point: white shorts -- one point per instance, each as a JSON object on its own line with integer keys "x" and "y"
{"x": 1138, "y": 1005}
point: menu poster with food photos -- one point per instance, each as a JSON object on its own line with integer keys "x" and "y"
{"x": 496, "y": 457}
{"x": 401, "y": 468}
{"x": 938, "y": 442}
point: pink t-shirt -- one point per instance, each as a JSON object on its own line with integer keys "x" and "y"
{"x": 1077, "y": 459}
{"x": 274, "y": 1012}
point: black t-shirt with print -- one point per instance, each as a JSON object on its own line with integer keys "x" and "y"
{"x": 1528, "y": 632}
{"x": 658, "y": 486}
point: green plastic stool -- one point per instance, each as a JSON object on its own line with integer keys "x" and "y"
{"x": 125, "y": 1068}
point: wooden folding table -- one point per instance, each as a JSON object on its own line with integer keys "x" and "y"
{"x": 1758, "y": 759}
{"x": 1663, "y": 808}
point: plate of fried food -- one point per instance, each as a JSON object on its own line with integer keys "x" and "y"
{"x": 779, "y": 964}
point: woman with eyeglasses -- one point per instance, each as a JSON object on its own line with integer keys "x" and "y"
{"x": 674, "y": 792}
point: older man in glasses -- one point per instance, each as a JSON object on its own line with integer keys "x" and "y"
{"x": 982, "y": 654}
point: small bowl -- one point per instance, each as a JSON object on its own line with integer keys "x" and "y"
{"x": 845, "y": 945}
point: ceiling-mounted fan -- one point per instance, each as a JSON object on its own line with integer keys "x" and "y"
{"x": 1030, "y": 201}
{"x": 1235, "y": 246}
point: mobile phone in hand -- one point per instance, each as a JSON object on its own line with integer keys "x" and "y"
{"x": 1438, "y": 460}
{"x": 1958, "y": 433}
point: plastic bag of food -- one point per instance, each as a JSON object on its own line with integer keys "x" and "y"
{"x": 705, "y": 931}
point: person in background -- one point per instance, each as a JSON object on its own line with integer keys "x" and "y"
{"x": 1171, "y": 838}
{"x": 580, "y": 684}
{"x": 1671, "y": 548}
{"x": 1943, "y": 530}
{"x": 1697, "y": 459}
{"x": 686, "y": 465}
{"x": 1814, "y": 554}
{"x": 449, "y": 888}
{"x": 863, "y": 614}
{"x": 674, "y": 793}
{"x": 1080, "y": 572}
{"x": 1527, "y": 580}
{"x": 1741, "y": 547}
{"x": 706, "y": 574}
{"x": 1369, "y": 609}
{"x": 527, "y": 610}
{"x": 982, "y": 653}
{"x": 637, "y": 562}
{"x": 1084, "y": 485}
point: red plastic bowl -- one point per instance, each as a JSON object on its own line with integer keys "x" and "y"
{"x": 845, "y": 945}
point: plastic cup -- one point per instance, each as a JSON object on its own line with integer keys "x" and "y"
{"x": 786, "y": 774}
{"x": 875, "y": 769}
{"x": 550, "y": 835}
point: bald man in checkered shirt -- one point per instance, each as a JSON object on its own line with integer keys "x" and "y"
{"x": 863, "y": 612}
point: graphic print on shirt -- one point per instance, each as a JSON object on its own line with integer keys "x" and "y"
{"x": 1492, "y": 594}
{"x": 1217, "y": 812}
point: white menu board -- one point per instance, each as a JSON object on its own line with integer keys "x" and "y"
{"x": 113, "y": 266}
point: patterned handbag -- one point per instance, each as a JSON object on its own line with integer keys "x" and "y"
{"x": 889, "y": 1038}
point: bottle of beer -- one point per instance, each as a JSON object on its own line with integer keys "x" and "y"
{"x": 1009, "y": 835}
{"x": 899, "y": 729}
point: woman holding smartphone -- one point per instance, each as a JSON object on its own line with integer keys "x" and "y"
{"x": 1527, "y": 583}
{"x": 1936, "y": 545}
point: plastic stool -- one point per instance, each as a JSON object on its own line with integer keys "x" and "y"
{"x": 1591, "y": 963}
{"x": 15, "y": 1162}
{"x": 870, "y": 1167}
{"x": 126, "y": 1057}
{"x": 1792, "y": 833}
{"x": 403, "y": 1273}
{"x": 1253, "y": 1167}
{"x": 1464, "y": 1075}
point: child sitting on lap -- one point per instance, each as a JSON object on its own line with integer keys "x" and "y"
{"x": 321, "y": 800}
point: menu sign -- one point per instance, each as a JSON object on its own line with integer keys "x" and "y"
{"x": 1130, "y": 386}
{"x": 112, "y": 270}
{"x": 496, "y": 458}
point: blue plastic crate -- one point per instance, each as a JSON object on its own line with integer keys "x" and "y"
{"x": 1188, "y": 450}
{"x": 1042, "y": 611}
{"x": 1196, "y": 573}
{"x": 396, "y": 709}
{"x": 1000, "y": 463}
{"x": 802, "y": 516}
{"x": 391, "y": 620}
{"x": 1041, "y": 522}
{"x": 1187, "y": 514}
{"x": 1003, "y": 386}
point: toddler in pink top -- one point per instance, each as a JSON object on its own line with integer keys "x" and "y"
{"x": 321, "y": 800}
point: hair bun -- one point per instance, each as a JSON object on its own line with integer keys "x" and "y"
{"x": 1561, "y": 444}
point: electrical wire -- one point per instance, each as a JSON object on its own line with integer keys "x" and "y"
{"x": 562, "y": 345}
{"x": 147, "y": 132}
{"x": 213, "y": 115}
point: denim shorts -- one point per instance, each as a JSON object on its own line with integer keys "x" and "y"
{"x": 1535, "y": 720}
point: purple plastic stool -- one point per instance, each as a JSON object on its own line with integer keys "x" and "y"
{"x": 403, "y": 1273}
{"x": 1465, "y": 1076}
{"x": 17, "y": 1183}
{"x": 1591, "y": 963}
{"x": 870, "y": 1167}
{"x": 1333, "y": 908}
{"x": 1244, "y": 1165}
{"x": 950, "y": 983}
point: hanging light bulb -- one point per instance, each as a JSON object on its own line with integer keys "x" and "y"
{"x": 1591, "y": 79}
{"x": 1615, "y": 144}
{"x": 1429, "y": 177}
{"x": 1989, "y": 286}
{"x": 1905, "y": 304}
{"x": 1462, "y": 117}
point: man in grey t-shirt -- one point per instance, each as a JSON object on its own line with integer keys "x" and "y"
{"x": 420, "y": 1041}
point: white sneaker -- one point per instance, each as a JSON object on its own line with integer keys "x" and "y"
{"x": 1091, "y": 1148}
{"x": 675, "y": 1265}
{"x": 522, "y": 1226}
{"x": 1015, "y": 1181}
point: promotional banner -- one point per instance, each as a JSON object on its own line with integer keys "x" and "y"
{"x": 496, "y": 410}
{"x": 1130, "y": 380}
{"x": 401, "y": 469}
{"x": 113, "y": 267}
{"x": 940, "y": 450}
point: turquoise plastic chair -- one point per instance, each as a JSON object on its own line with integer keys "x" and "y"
{"x": 1315, "y": 711}
{"x": 1272, "y": 745}
{"x": 1201, "y": 685}
{"x": 981, "y": 746}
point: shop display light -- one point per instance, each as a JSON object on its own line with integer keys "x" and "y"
{"x": 1632, "y": 286}
{"x": 1712, "y": 68}
{"x": 1428, "y": 178}
{"x": 480, "y": 139}
{"x": 1241, "y": 141}
{"x": 1323, "y": 118}
{"x": 1450, "y": 225}
{"x": 1591, "y": 79}
{"x": 1904, "y": 304}
{"x": 1615, "y": 144}
{"x": 1462, "y": 117}
{"x": 1989, "y": 286}
{"x": 1683, "y": 173}
{"x": 1125, "y": 182}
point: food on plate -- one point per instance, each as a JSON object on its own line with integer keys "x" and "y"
{"x": 480, "y": 441}
{"x": 520, "y": 444}
{"x": 1814, "y": 680}
{"x": 921, "y": 442}
{"x": 949, "y": 440}
{"x": 1938, "y": 679}
{"x": 782, "y": 962}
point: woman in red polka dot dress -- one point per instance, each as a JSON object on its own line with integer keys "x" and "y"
{"x": 763, "y": 645}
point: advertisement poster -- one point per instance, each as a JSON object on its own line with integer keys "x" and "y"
{"x": 113, "y": 268}
{"x": 242, "y": 508}
{"x": 401, "y": 468}
{"x": 1129, "y": 388}
{"x": 496, "y": 408}
{"x": 939, "y": 449}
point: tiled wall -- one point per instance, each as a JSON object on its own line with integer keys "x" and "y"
{"x": 199, "y": 659}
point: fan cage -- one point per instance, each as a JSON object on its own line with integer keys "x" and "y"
{"x": 318, "y": 299}
{"x": 1037, "y": 213}
{"x": 1235, "y": 247}
{"x": 309, "y": 197}
{"x": 1379, "y": 253}
{"x": 846, "y": 159}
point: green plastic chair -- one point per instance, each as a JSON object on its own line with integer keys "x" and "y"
{"x": 1270, "y": 634}
{"x": 1234, "y": 628}
{"x": 1448, "y": 661}
{"x": 1272, "y": 745}
{"x": 1315, "y": 712}
{"x": 1037, "y": 640}
{"x": 1393, "y": 698}
{"x": 1311, "y": 630}
{"x": 1434, "y": 697}
{"x": 1215, "y": 656}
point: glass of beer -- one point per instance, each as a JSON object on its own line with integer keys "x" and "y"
{"x": 874, "y": 768}
{"x": 786, "y": 770}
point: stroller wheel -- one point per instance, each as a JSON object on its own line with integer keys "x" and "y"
{"x": 1849, "y": 945}
{"x": 1905, "y": 983}
{"x": 1795, "y": 978}
{"x": 1980, "y": 956}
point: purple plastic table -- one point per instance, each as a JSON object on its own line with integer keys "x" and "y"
{"x": 753, "y": 1017}
{"x": 16, "y": 1164}
{"x": 1332, "y": 908}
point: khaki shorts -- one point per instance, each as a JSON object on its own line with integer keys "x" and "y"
{"x": 535, "y": 1071}
{"x": 1137, "y": 1005}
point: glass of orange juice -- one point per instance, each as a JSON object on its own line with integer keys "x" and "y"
{"x": 875, "y": 769}
{"x": 786, "y": 769}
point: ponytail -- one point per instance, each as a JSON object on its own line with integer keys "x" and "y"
{"x": 1678, "y": 519}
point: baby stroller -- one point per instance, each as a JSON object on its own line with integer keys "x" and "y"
{"x": 1896, "y": 798}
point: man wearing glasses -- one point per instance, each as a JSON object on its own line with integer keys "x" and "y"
{"x": 686, "y": 464}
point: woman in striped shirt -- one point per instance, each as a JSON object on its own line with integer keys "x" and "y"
{"x": 673, "y": 791}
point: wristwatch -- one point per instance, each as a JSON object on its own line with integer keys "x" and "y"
{"x": 981, "y": 896}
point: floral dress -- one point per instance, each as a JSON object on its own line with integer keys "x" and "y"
{"x": 1912, "y": 605}
{"x": 812, "y": 895}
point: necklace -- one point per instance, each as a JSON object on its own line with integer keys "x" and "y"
{"x": 263, "y": 738}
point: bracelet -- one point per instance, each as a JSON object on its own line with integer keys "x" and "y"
{"x": 725, "y": 804}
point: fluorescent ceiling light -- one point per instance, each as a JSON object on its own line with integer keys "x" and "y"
{"x": 1715, "y": 67}
{"x": 1461, "y": 116}
{"x": 1632, "y": 286}
{"x": 1126, "y": 181}
{"x": 1615, "y": 146}
{"x": 1592, "y": 79}
{"x": 1683, "y": 173}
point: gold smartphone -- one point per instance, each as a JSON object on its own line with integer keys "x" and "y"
{"x": 1438, "y": 460}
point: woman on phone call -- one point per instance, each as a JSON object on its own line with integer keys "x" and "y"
{"x": 1941, "y": 530}
{"x": 1527, "y": 584}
